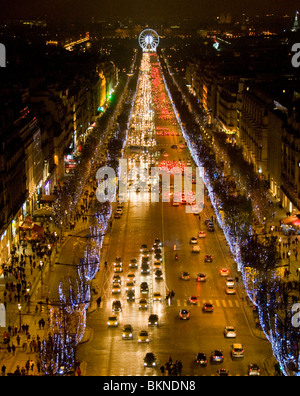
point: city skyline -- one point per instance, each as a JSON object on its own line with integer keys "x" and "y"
{"x": 134, "y": 9}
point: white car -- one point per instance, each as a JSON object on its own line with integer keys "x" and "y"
{"x": 202, "y": 234}
{"x": 229, "y": 332}
{"x": 193, "y": 241}
{"x": 230, "y": 282}
{"x": 230, "y": 290}
{"x": 237, "y": 351}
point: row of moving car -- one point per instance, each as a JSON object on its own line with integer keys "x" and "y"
{"x": 217, "y": 356}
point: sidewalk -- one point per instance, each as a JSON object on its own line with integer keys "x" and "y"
{"x": 14, "y": 291}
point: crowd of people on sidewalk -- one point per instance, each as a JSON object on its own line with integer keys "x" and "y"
{"x": 19, "y": 274}
{"x": 171, "y": 368}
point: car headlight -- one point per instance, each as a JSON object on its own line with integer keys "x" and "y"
{"x": 153, "y": 364}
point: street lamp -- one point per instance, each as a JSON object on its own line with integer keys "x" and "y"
{"x": 41, "y": 265}
{"x": 20, "y": 315}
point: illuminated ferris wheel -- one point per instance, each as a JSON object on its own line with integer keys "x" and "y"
{"x": 149, "y": 40}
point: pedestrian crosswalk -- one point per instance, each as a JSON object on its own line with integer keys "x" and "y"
{"x": 217, "y": 303}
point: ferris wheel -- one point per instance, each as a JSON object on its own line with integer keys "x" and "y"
{"x": 149, "y": 40}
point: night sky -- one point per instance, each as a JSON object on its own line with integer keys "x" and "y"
{"x": 154, "y": 9}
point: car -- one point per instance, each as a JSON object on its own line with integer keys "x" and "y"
{"x": 116, "y": 289}
{"x": 157, "y": 242}
{"x": 185, "y": 276}
{"x": 131, "y": 277}
{"x": 193, "y": 300}
{"x": 117, "y": 215}
{"x": 157, "y": 296}
{"x": 217, "y": 356}
{"x": 130, "y": 296}
{"x": 210, "y": 228}
{"x": 130, "y": 286}
{"x": 118, "y": 261}
{"x": 158, "y": 257}
{"x": 201, "y": 359}
{"x": 118, "y": 269}
{"x": 253, "y": 370}
{"x": 157, "y": 264}
{"x": 144, "y": 246}
{"x": 237, "y": 351}
{"x": 201, "y": 277}
{"x": 184, "y": 314}
{"x": 196, "y": 249}
{"x": 230, "y": 290}
{"x": 193, "y": 241}
{"x": 229, "y": 332}
{"x": 144, "y": 288}
{"x": 208, "y": 307}
{"x": 224, "y": 272}
{"x": 143, "y": 304}
{"x": 153, "y": 320}
{"x": 116, "y": 279}
{"x": 208, "y": 258}
{"x": 202, "y": 234}
{"x": 230, "y": 282}
{"x": 143, "y": 337}
{"x": 158, "y": 274}
{"x": 127, "y": 333}
{"x": 112, "y": 321}
{"x": 145, "y": 253}
{"x": 145, "y": 260}
{"x": 149, "y": 360}
{"x": 133, "y": 263}
{"x": 223, "y": 373}
{"x": 145, "y": 268}
{"x": 116, "y": 306}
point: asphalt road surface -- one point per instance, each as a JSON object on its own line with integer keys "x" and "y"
{"x": 106, "y": 353}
